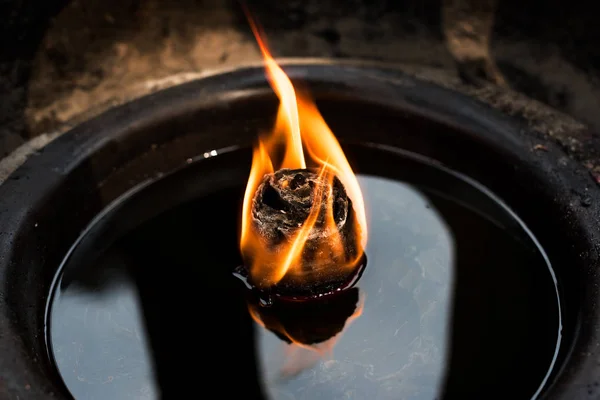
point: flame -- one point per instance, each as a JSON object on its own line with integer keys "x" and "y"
{"x": 299, "y": 128}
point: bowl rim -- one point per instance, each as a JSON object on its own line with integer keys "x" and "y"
{"x": 24, "y": 194}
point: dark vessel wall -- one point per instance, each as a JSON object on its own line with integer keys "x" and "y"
{"x": 61, "y": 60}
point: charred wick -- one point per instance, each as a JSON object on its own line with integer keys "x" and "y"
{"x": 284, "y": 200}
{"x": 281, "y": 205}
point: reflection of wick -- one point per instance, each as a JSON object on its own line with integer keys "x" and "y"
{"x": 311, "y": 329}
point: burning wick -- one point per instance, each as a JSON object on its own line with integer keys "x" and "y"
{"x": 289, "y": 200}
{"x": 304, "y": 228}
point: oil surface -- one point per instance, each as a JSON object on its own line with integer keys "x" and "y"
{"x": 456, "y": 298}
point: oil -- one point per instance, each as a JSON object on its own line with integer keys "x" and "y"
{"x": 457, "y": 298}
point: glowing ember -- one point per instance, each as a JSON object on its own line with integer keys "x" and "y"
{"x": 325, "y": 237}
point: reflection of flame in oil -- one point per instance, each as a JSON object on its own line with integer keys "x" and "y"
{"x": 303, "y": 352}
{"x": 299, "y": 127}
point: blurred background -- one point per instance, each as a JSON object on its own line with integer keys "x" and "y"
{"x": 62, "y": 61}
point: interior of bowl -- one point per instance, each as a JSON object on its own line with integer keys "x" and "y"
{"x": 373, "y": 112}
{"x": 450, "y": 252}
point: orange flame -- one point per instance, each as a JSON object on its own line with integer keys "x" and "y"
{"x": 299, "y": 127}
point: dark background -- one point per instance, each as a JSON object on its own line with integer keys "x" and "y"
{"x": 61, "y": 61}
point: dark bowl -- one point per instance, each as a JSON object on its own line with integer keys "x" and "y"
{"x": 49, "y": 200}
